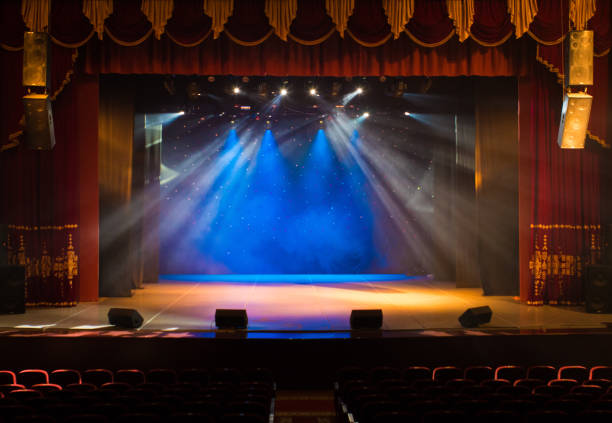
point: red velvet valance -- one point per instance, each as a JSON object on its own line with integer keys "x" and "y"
{"x": 429, "y": 26}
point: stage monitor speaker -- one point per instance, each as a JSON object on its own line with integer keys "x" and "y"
{"x": 36, "y": 59}
{"x": 598, "y": 289}
{"x": 579, "y": 58}
{"x": 12, "y": 289}
{"x": 39, "y": 133}
{"x": 231, "y": 319}
{"x": 366, "y": 319}
{"x": 3, "y": 244}
{"x": 125, "y": 318}
{"x": 574, "y": 120}
{"x": 475, "y": 316}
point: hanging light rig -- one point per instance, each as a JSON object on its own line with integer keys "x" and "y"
{"x": 578, "y": 65}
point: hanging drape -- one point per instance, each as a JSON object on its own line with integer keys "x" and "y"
{"x": 559, "y": 195}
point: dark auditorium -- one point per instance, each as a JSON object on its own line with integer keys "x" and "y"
{"x": 305, "y": 211}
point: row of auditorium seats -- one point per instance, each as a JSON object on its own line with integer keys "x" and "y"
{"x": 101, "y": 395}
{"x": 476, "y": 394}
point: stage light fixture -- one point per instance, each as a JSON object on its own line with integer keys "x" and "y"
{"x": 359, "y": 90}
{"x": 366, "y": 115}
{"x": 313, "y": 91}
{"x": 283, "y": 91}
{"x": 336, "y": 88}
{"x": 475, "y": 316}
{"x": 125, "y": 318}
{"x": 574, "y": 120}
{"x": 236, "y": 90}
{"x": 182, "y": 112}
{"x": 406, "y": 113}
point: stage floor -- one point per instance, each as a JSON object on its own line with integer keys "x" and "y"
{"x": 296, "y": 305}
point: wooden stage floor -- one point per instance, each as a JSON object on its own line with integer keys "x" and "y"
{"x": 410, "y": 304}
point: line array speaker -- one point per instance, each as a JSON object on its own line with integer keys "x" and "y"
{"x": 574, "y": 120}
{"x": 579, "y": 58}
{"x": 39, "y": 132}
{"x": 36, "y": 59}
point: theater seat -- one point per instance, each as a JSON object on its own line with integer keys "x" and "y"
{"x": 130, "y": 376}
{"x": 510, "y": 373}
{"x": 578, "y": 373}
{"x": 7, "y": 377}
{"x": 445, "y": 373}
{"x": 97, "y": 377}
{"x": 542, "y": 372}
{"x": 601, "y": 372}
{"x": 64, "y": 377}
{"x": 31, "y": 377}
{"x": 478, "y": 373}
{"x": 162, "y": 376}
{"x": 44, "y": 388}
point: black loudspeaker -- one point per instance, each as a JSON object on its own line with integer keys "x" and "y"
{"x": 473, "y": 317}
{"x": 598, "y": 289}
{"x": 36, "y": 59}
{"x": 3, "y": 244}
{"x": 579, "y": 58}
{"x": 231, "y": 319}
{"x": 12, "y": 289}
{"x": 39, "y": 132}
{"x": 366, "y": 319}
{"x": 125, "y": 318}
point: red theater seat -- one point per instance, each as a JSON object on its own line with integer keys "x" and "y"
{"x": 9, "y": 387}
{"x": 495, "y": 384}
{"x": 478, "y": 373}
{"x": 567, "y": 384}
{"x": 416, "y": 373}
{"x": 579, "y": 373}
{"x": 31, "y": 377}
{"x": 65, "y": 377}
{"x": 542, "y": 372}
{"x": 81, "y": 387}
{"x": 601, "y": 372}
{"x": 131, "y": 376}
{"x": 24, "y": 394}
{"x": 593, "y": 390}
{"x": 445, "y": 373}
{"x": 7, "y": 377}
{"x": 116, "y": 387}
{"x": 46, "y": 387}
{"x": 97, "y": 377}
{"x": 510, "y": 373}
{"x": 529, "y": 383}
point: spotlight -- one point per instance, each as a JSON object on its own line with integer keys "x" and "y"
{"x": 313, "y": 91}
{"x": 359, "y": 90}
{"x": 399, "y": 88}
{"x": 182, "y": 112}
{"x": 366, "y": 115}
{"x": 262, "y": 90}
{"x": 283, "y": 91}
{"x": 245, "y": 79}
{"x": 236, "y": 90}
{"x": 194, "y": 91}
{"x": 406, "y": 113}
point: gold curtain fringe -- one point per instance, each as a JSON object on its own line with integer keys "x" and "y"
{"x": 544, "y": 42}
{"x": 602, "y": 54}
{"x": 494, "y": 44}
{"x": 580, "y": 11}
{"x": 97, "y": 11}
{"x": 68, "y": 76}
{"x": 51, "y": 304}
{"x": 10, "y": 48}
{"x": 128, "y": 43}
{"x": 72, "y": 45}
{"x": 219, "y": 11}
{"x": 564, "y": 226}
{"x": 398, "y": 12}
{"x": 281, "y": 14}
{"x": 462, "y": 14}
{"x": 598, "y": 140}
{"x": 249, "y": 43}
{"x": 195, "y": 43}
{"x": 312, "y": 42}
{"x": 340, "y": 11}
{"x": 158, "y": 12}
{"x": 368, "y": 44}
{"x": 432, "y": 45}
{"x": 43, "y": 228}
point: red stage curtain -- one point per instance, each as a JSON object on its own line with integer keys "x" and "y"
{"x": 39, "y": 190}
{"x": 561, "y": 193}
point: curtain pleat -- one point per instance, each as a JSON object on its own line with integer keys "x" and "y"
{"x": 340, "y": 12}
{"x": 580, "y": 12}
{"x": 158, "y": 12}
{"x": 399, "y": 12}
{"x": 97, "y": 11}
{"x": 522, "y": 13}
{"x": 462, "y": 14}
{"x": 219, "y": 11}
{"x": 281, "y": 14}
{"x": 35, "y": 14}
